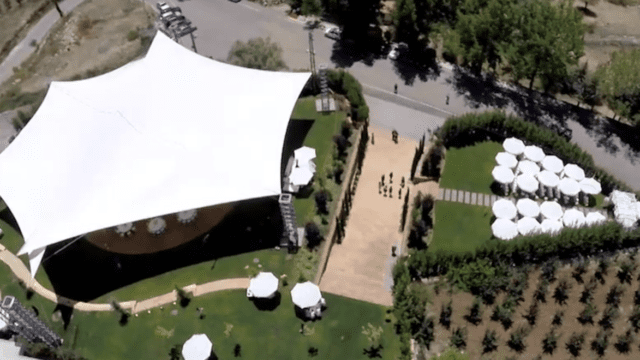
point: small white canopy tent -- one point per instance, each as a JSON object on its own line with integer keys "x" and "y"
{"x": 551, "y": 226}
{"x": 504, "y": 229}
{"x": 548, "y": 178}
{"x": 593, "y": 218}
{"x": 573, "y": 218}
{"x": 502, "y": 174}
{"x": 506, "y": 159}
{"x": 132, "y": 151}
{"x": 590, "y": 186}
{"x": 504, "y": 209}
{"x": 534, "y": 153}
{"x": 527, "y": 183}
{"x": 304, "y": 155}
{"x": 528, "y": 225}
{"x": 513, "y": 146}
{"x": 527, "y": 167}
{"x": 528, "y": 208}
{"x": 198, "y": 347}
{"x": 552, "y": 163}
{"x": 551, "y": 210}
{"x": 306, "y": 294}
{"x": 625, "y": 208}
{"x": 569, "y": 187}
{"x": 263, "y": 286}
{"x": 300, "y": 176}
{"x": 573, "y": 171}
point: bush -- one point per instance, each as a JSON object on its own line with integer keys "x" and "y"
{"x": 459, "y": 338}
{"x": 541, "y": 291}
{"x": 313, "y": 235}
{"x": 474, "y": 314}
{"x": 557, "y": 318}
{"x": 489, "y": 342}
{"x": 561, "y": 294}
{"x": 344, "y": 83}
{"x": 575, "y": 342}
{"x": 532, "y": 314}
{"x": 600, "y": 343}
{"x": 516, "y": 340}
{"x": 624, "y": 342}
{"x": 550, "y": 342}
{"x": 634, "y": 318}
{"x": 504, "y": 313}
{"x": 322, "y": 200}
{"x": 609, "y": 317}
{"x": 341, "y": 144}
{"x": 445, "y": 314}
{"x": 615, "y": 294}
{"x": 587, "y": 314}
{"x": 431, "y": 166}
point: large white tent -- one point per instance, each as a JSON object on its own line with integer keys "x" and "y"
{"x": 171, "y": 132}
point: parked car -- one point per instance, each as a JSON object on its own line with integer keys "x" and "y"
{"x": 333, "y": 33}
{"x": 163, "y": 7}
{"x": 397, "y": 49}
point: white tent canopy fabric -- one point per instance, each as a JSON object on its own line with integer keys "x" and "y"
{"x": 131, "y": 152}
{"x": 304, "y": 154}
{"x": 552, "y": 163}
{"x": 528, "y": 225}
{"x": 263, "y": 286}
{"x": 306, "y": 294}
{"x": 573, "y": 218}
{"x": 590, "y": 186}
{"x": 551, "y": 226}
{"x": 504, "y": 209}
{"x": 528, "y": 167}
{"x": 595, "y": 218}
{"x": 573, "y": 171}
{"x": 551, "y": 210}
{"x": 527, "y": 183}
{"x": 569, "y": 187}
{"x": 528, "y": 208}
{"x": 513, "y": 146}
{"x": 504, "y": 229}
{"x": 502, "y": 174}
{"x": 198, "y": 347}
{"x": 625, "y": 208}
{"x": 506, "y": 159}
{"x": 548, "y": 178}
{"x": 534, "y": 153}
{"x": 300, "y": 176}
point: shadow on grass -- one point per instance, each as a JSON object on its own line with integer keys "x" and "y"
{"x": 268, "y": 304}
{"x": 373, "y": 352}
{"x": 66, "y": 313}
{"x": 586, "y": 12}
{"x": 110, "y": 271}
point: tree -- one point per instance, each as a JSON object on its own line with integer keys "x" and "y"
{"x": 634, "y": 318}
{"x": 574, "y": 343}
{"x": 609, "y": 317}
{"x": 545, "y": 40}
{"x": 322, "y": 200}
{"x": 541, "y": 291}
{"x": 561, "y": 294}
{"x": 532, "y": 314}
{"x": 624, "y": 341}
{"x": 550, "y": 342}
{"x": 615, "y": 294}
{"x": 475, "y": 312}
{"x": 587, "y": 314}
{"x": 445, "y": 314}
{"x": 516, "y": 340}
{"x": 619, "y": 83}
{"x": 175, "y": 353}
{"x": 426, "y": 334}
{"x": 312, "y": 232}
{"x": 625, "y": 272}
{"x": 257, "y": 53}
{"x": 459, "y": 338}
{"x": 490, "y": 341}
{"x": 600, "y": 343}
{"x": 311, "y": 7}
{"x": 404, "y": 20}
{"x": 557, "y": 318}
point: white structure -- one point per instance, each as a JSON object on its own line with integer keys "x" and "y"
{"x": 549, "y": 182}
{"x": 551, "y": 210}
{"x": 527, "y": 167}
{"x": 506, "y": 159}
{"x": 513, "y": 146}
{"x": 198, "y": 347}
{"x": 527, "y": 226}
{"x": 528, "y": 208}
{"x": 593, "y": 218}
{"x": 527, "y": 183}
{"x": 504, "y": 209}
{"x": 573, "y": 171}
{"x": 573, "y": 218}
{"x": 551, "y": 226}
{"x": 300, "y": 176}
{"x": 589, "y": 186}
{"x": 167, "y": 133}
{"x": 534, "y": 153}
{"x": 187, "y": 216}
{"x": 264, "y": 285}
{"x": 504, "y": 229}
{"x": 626, "y": 209}
{"x": 569, "y": 189}
{"x": 552, "y": 163}
{"x": 304, "y": 157}
{"x": 503, "y": 175}
{"x": 306, "y": 295}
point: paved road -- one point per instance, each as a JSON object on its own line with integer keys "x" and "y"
{"x": 37, "y": 33}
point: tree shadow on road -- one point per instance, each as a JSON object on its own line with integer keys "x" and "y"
{"x": 347, "y": 52}
{"x": 421, "y": 65}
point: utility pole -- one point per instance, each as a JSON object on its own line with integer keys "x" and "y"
{"x": 312, "y": 60}
{"x": 193, "y": 41}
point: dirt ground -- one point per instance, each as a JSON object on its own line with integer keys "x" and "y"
{"x": 17, "y": 17}
{"x": 360, "y": 267}
{"x": 572, "y": 309}
{"x": 93, "y": 36}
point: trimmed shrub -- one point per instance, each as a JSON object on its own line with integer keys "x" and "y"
{"x": 344, "y": 83}
{"x": 313, "y": 235}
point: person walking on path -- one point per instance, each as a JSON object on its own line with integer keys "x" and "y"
{"x": 395, "y": 89}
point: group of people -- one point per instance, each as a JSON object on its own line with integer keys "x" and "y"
{"x": 384, "y": 189}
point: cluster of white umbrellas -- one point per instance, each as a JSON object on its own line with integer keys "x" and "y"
{"x": 304, "y": 295}
{"x": 626, "y": 208}
{"x": 303, "y": 167}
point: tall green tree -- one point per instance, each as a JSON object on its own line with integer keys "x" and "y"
{"x": 311, "y": 7}
{"x": 404, "y": 20}
{"x": 257, "y": 53}
{"x": 619, "y": 83}
{"x": 545, "y": 41}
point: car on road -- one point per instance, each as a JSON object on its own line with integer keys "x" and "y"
{"x": 163, "y": 7}
{"x": 397, "y": 49}
{"x": 333, "y": 33}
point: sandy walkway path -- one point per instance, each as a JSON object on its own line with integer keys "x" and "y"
{"x": 360, "y": 267}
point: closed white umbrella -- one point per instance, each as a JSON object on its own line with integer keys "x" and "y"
{"x": 595, "y": 218}
{"x": 573, "y": 171}
{"x": 551, "y": 210}
{"x": 306, "y": 294}
{"x": 506, "y": 159}
{"x": 198, "y": 347}
{"x": 263, "y": 286}
{"x": 534, "y": 153}
{"x": 300, "y": 176}
{"x": 590, "y": 186}
{"x": 552, "y": 163}
{"x": 504, "y": 229}
{"x": 548, "y": 178}
{"x": 528, "y": 225}
{"x": 528, "y": 208}
{"x": 504, "y": 209}
{"x": 513, "y": 146}
{"x": 502, "y": 174}
{"x": 527, "y": 167}
{"x": 527, "y": 183}
{"x": 569, "y": 187}
{"x": 551, "y": 226}
{"x": 573, "y": 218}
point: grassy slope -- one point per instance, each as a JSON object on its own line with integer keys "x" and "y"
{"x": 469, "y": 168}
{"x": 460, "y": 227}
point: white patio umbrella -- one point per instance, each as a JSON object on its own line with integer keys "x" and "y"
{"x": 551, "y": 210}
{"x": 527, "y": 167}
{"x": 551, "y": 226}
{"x": 528, "y": 208}
{"x": 573, "y": 218}
{"x": 504, "y": 229}
{"x": 300, "y": 176}
{"x": 506, "y": 159}
{"x": 502, "y": 174}
{"x": 569, "y": 187}
{"x": 548, "y": 178}
{"x": 552, "y": 163}
{"x": 305, "y": 294}
{"x": 198, "y": 347}
{"x": 187, "y": 216}
{"x": 304, "y": 154}
{"x": 527, "y": 183}
{"x": 513, "y": 146}
{"x": 504, "y": 209}
{"x": 595, "y": 218}
{"x": 573, "y": 171}
{"x": 263, "y": 286}
{"x": 528, "y": 225}
{"x": 590, "y": 186}
{"x": 534, "y": 153}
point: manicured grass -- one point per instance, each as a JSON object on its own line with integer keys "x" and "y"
{"x": 275, "y": 261}
{"x": 469, "y": 168}
{"x": 460, "y": 227}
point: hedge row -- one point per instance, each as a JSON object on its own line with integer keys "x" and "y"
{"x": 496, "y": 125}
{"x": 344, "y": 83}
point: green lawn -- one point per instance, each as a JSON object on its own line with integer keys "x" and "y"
{"x": 469, "y": 168}
{"x": 460, "y": 227}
